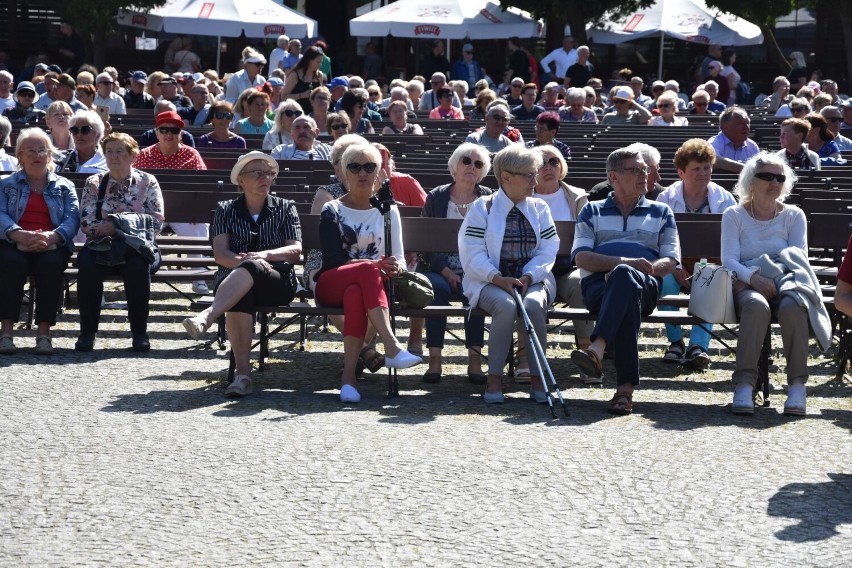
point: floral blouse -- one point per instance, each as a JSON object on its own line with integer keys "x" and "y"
{"x": 138, "y": 193}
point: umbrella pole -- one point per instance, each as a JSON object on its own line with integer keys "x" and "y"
{"x": 218, "y": 52}
{"x": 660, "y": 60}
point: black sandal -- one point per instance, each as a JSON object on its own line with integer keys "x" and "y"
{"x": 373, "y": 362}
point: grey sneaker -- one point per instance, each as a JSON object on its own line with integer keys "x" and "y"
{"x": 7, "y": 345}
{"x": 44, "y": 345}
{"x": 195, "y": 327}
{"x": 239, "y": 387}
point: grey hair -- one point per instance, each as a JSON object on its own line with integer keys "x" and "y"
{"x": 352, "y": 152}
{"x": 780, "y": 80}
{"x": 164, "y": 106}
{"x": 550, "y": 149}
{"x": 357, "y": 79}
{"x": 575, "y": 94}
{"x": 650, "y": 154}
{"x": 305, "y": 118}
{"x": 399, "y": 92}
{"x": 711, "y": 82}
{"x": 28, "y": 134}
{"x": 615, "y": 161}
{"x": 729, "y": 113}
{"x": 92, "y": 118}
{"x": 469, "y": 149}
{"x": 514, "y": 158}
{"x": 743, "y": 186}
{"x": 5, "y": 130}
{"x": 282, "y": 41}
{"x": 286, "y": 104}
{"x": 342, "y": 143}
{"x": 417, "y": 84}
{"x": 461, "y": 85}
{"x": 799, "y": 58}
{"x": 498, "y": 103}
{"x": 701, "y": 94}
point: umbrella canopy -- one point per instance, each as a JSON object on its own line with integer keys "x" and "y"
{"x": 223, "y": 18}
{"x": 446, "y": 19}
{"x": 687, "y": 20}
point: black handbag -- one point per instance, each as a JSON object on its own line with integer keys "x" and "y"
{"x": 288, "y": 276}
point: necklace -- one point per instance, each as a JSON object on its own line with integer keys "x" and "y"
{"x": 753, "y": 216}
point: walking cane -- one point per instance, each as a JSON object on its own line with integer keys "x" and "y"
{"x": 382, "y": 201}
{"x": 538, "y": 353}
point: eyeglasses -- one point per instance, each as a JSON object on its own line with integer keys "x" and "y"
{"x": 657, "y": 90}
{"x": 517, "y": 86}
{"x": 169, "y": 129}
{"x": 636, "y": 171}
{"x": 220, "y": 115}
{"x": 105, "y": 83}
{"x": 552, "y": 162}
{"x": 833, "y": 118}
{"x": 37, "y": 152}
{"x": 500, "y": 118}
{"x": 476, "y": 163}
{"x": 259, "y": 174}
{"x": 798, "y": 109}
{"x": 338, "y": 126}
{"x": 665, "y": 105}
{"x": 699, "y": 104}
{"x": 84, "y": 130}
{"x": 530, "y": 177}
{"x": 767, "y": 176}
{"x": 356, "y": 168}
{"x": 292, "y": 113}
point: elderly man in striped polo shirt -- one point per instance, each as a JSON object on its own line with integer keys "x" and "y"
{"x": 624, "y": 246}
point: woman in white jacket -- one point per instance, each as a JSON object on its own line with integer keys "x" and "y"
{"x": 694, "y": 193}
{"x": 508, "y": 240}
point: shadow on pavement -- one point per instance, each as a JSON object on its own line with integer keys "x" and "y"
{"x": 819, "y": 507}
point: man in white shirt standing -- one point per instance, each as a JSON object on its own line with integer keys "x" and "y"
{"x": 6, "y": 98}
{"x": 564, "y": 57}
{"x": 279, "y": 52}
{"x": 106, "y": 97}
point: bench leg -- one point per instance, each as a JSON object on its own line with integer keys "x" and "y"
{"x": 232, "y": 366}
{"x": 763, "y": 366}
{"x": 264, "y": 340}
{"x": 393, "y": 384}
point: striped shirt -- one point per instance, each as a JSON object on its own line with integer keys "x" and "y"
{"x": 277, "y": 223}
{"x": 649, "y": 231}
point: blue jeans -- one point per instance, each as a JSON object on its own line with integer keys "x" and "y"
{"x": 699, "y": 335}
{"x": 436, "y": 327}
{"x": 620, "y": 301}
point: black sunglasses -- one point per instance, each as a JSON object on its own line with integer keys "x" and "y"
{"x": 356, "y": 168}
{"x": 476, "y": 163}
{"x": 552, "y": 162}
{"x": 833, "y": 118}
{"x": 220, "y": 114}
{"x": 338, "y": 126}
{"x": 169, "y": 129}
{"x": 798, "y": 109}
{"x": 292, "y": 113}
{"x": 665, "y": 105}
{"x": 84, "y": 130}
{"x": 26, "y": 94}
{"x": 767, "y": 176}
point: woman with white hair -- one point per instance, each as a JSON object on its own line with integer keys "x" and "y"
{"x": 8, "y": 163}
{"x": 87, "y": 129}
{"x": 667, "y": 104}
{"x": 575, "y": 109}
{"x": 415, "y": 90}
{"x": 468, "y": 165}
{"x": 248, "y": 77}
{"x": 758, "y": 234}
{"x": 508, "y": 241}
{"x": 288, "y": 111}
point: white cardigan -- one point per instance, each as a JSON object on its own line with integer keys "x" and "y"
{"x": 481, "y": 239}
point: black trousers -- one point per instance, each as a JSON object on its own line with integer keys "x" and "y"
{"x": 90, "y": 288}
{"x": 46, "y": 267}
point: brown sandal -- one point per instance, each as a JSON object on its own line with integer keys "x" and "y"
{"x": 588, "y": 362}
{"x": 621, "y": 404}
{"x": 373, "y": 362}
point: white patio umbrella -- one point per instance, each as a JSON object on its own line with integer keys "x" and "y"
{"x": 687, "y": 20}
{"x": 228, "y": 18}
{"x": 445, "y": 19}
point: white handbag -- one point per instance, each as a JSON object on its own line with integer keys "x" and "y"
{"x": 711, "y": 297}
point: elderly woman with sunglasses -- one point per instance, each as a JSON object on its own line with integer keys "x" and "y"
{"x": 252, "y": 234}
{"x": 355, "y": 264}
{"x": 667, "y": 105}
{"x": 288, "y": 111}
{"x": 760, "y": 235}
{"x": 398, "y": 115}
{"x": 575, "y": 109}
{"x": 87, "y": 129}
{"x": 38, "y": 220}
{"x": 220, "y": 116}
{"x": 468, "y": 166}
{"x": 508, "y": 241}
{"x": 338, "y": 125}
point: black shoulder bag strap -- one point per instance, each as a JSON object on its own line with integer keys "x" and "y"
{"x": 101, "y": 195}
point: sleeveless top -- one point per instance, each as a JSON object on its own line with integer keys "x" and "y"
{"x": 302, "y": 87}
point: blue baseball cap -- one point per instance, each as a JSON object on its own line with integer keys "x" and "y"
{"x": 338, "y": 82}
{"x": 139, "y": 77}
{"x": 275, "y": 82}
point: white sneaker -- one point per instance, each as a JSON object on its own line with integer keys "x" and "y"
{"x": 348, "y": 393}
{"x": 195, "y": 327}
{"x": 743, "y": 400}
{"x": 239, "y": 387}
{"x": 589, "y": 380}
{"x": 200, "y": 287}
{"x": 403, "y": 360}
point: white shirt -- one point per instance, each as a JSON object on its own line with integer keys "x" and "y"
{"x": 239, "y": 82}
{"x": 559, "y": 208}
{"x": 276, "y": 56}
{"x": 562, "y": 59}
{"x": 8, "y": 163}
{"x": 114, "y": 102}
{"x": 8, "y": 102}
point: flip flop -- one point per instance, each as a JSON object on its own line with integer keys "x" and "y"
{"x": 587, "y": 362}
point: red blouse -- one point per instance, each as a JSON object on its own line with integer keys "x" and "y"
{"x": 36, "y": 216}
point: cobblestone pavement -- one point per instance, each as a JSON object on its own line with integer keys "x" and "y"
{"x": 115, "y": 458}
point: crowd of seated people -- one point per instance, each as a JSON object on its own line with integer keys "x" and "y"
{"x": 507, "y": 240}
